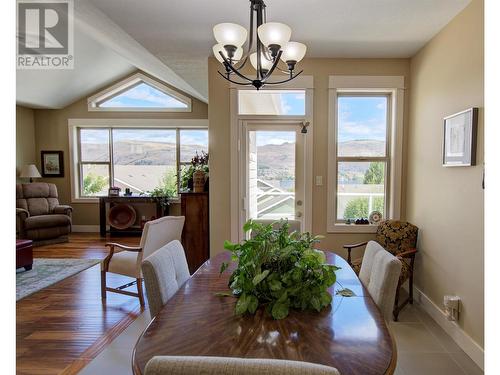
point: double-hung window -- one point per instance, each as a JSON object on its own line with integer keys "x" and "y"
{"x": 365, "y": 150}
{"x": 362, "y": 158}
{"x": 138, "y": 158}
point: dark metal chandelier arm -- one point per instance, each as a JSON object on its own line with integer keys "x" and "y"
{"x": 231, "y": 67}
{"x": 276, "y": 61}
{"x": 230, "y": 80}
{"x": 286, "y": 80}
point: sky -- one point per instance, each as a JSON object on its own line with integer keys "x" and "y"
{"x": 362, "y": 118}
{"x": 190, "y": 137}
{"x": 143, "y": 96}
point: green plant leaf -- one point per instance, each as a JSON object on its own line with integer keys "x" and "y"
{"x": 275, "y": 285}
{"x": 346, "y": 292}
{"x": 242, "y": 304}
{"x": 261, "y": 276}
{"x": 223, "y": 267}
{"x": 228, "y": 245}
{"x": 248, "y": 226}
{"x": 279, "y": 311}
{"x": 315, "y": 303}
{"x": 253, "y": 303}
{"x": 224, "y": 294}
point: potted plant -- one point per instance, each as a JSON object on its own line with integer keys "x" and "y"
{"x": 279, "y": 270}
{"x": 162, "y": 195}
{"x": 198, "y": 163}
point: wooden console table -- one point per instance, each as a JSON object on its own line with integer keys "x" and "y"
{"x": 103, "y": 201}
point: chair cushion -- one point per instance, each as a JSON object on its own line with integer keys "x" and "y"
{"x": 397, "y": 236}
{"x": 47, "y": 221}
{"x": 126, "y": 263}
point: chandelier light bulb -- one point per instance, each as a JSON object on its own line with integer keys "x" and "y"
{"x": 274, "y": 34}
{"x": 230, "y": 34}
{"x": 219, "y": 47}
{"x": 265, "y": 63}
{"x": 293, "y": 51}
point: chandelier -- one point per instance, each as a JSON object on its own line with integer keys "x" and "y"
{"x": 272, "y": 44}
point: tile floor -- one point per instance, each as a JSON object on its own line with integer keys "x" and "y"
{"x": 423, "y": 349}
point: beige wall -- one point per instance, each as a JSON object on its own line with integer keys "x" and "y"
{"x": 219, "y": 123}
{"x": 447, "y": 203}
{"x": 52, "y": 134}
{"x": 25, "y": 138}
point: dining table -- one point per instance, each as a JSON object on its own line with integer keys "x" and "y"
{"x": 199, "y": 320}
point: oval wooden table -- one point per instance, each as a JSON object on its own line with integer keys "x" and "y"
{"x": 350, "y": 335}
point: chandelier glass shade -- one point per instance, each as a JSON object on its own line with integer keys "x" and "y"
{"x": 268, "y": 43}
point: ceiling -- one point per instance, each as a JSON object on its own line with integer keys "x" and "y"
{"x": 95, "y": 66}
{"x": 177, "y": 34}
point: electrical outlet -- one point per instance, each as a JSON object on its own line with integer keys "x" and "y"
{"x": 319, "y": 180}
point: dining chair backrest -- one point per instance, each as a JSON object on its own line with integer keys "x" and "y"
{"x": 294, "y": 225}
{"x": 160, "y": 232}
{"x": 379, "y": 273}
{"x": 164, "y": 272}
{"x": 163, "y": 365}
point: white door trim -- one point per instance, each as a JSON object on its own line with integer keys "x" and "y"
{"x": 235, "y": 150}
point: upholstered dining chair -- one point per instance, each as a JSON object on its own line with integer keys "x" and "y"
{"x": 400, "y": 239}
{"x": 156, "y": 234}
{"x": 379, "y": 273}
{"x": 163, "y": 365}
{"x": 164, "y": 272}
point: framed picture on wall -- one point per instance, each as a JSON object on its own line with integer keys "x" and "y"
{"x": 459, "y": 139}
{"x": 52, "y": 164}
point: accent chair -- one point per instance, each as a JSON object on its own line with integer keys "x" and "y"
{"x": 156, "y": 234}
{"x": 400, "y": 239}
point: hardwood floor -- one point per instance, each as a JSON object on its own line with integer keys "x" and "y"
{"x": 63, "y": 327}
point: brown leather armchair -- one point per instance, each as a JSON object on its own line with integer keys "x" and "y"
{"x": 400, "y": 239}
{"x": 39, "y": 215}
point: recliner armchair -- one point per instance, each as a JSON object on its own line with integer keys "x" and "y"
{"x": 39, "y": 215}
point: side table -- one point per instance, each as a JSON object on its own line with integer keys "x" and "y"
{"x": 24, "y": 254}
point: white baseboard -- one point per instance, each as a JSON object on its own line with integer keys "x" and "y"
{"x": 85, "y": 228}
{"x": 462, "y": 339}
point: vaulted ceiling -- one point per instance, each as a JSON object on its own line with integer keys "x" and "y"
{"x": 178, "y": 33}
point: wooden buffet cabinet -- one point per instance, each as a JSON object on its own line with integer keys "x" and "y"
{"x": 195, "y": 236}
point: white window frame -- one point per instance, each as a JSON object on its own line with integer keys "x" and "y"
{"x": 94, "y": 101}
{"x": 74, "y": 145}
{"x": 393, "y": 86}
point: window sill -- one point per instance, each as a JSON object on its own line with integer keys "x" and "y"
{"x": 96, "y": 200}
{"x": 352, "y": 228}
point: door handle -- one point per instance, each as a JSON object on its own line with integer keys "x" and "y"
{"x": 299, "y": 203}
{"x": 299, "y": 214}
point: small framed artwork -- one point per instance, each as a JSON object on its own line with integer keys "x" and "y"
{"x": 114, "y": 191}
{"x": 459, "y": 140}
{"x": 52, "y": 164}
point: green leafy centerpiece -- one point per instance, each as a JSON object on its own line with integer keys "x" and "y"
{"x": 279, "y": 270}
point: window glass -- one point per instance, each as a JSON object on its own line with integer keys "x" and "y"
{"x": 360, "y": 189}
{"x": 95, "y": 180}
{"x": 192, "y": 142}
{"x": 144, "y": 159}
{"x": 143, "y": 95}
{"x": 362, "y": 126}
{"x": 94, "y": 144}
{"x": 271, "y": 174}
{"x": 272, "y": 102}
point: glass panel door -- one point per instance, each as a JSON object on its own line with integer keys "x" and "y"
{"x": 274, "y": 172}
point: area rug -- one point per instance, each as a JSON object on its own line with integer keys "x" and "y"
{"x": 46, "y": 272}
